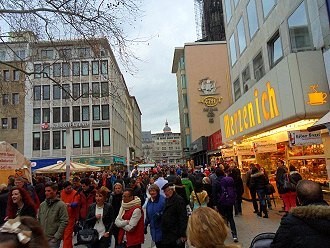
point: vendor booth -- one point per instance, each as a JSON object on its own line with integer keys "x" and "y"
{"x": 61, "y": 168}
{"x": 12, "y": 162}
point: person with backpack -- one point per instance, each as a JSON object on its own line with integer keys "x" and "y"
{"x": 225, "y": 197}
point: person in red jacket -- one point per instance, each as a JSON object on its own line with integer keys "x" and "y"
{"x": 71, "y": 198}
{"x": 87, "y": 197}
{"x": 130, "y": 221}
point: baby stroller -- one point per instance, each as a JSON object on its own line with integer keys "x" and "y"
{"x": 262, "y": 240}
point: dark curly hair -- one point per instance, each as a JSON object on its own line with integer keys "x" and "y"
{"x": 38, "y": 238}
{"x": 26, "y": 198}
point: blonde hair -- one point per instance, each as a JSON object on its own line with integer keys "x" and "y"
{"x": 207, "y": 229}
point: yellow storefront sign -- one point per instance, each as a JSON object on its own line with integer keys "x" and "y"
{"x": 263, "y": 105}
{"x": 211, "y": 101}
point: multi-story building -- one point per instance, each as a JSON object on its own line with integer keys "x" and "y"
{"x": 162, "y": 148}
{"x": 202, "y": 74}
{"x": 279, "y": 83}
{"x": 76, "y": 102}
{"x": 209, "y": 20}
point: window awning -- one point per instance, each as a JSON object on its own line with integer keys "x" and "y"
{"x": 322, "y": 123}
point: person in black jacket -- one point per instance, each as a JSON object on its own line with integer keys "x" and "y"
{"x": 307, "y": 225}
{"x": 100, "y": 217}
{"x": 236, "y": 175}
{"x": 20, "y": 203}
{"x": 258, "y": 183}
{"x": 174, "y": 219}
{"x": 3, "y": 202}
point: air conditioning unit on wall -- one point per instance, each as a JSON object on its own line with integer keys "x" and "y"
{"x": 248, "y": 84}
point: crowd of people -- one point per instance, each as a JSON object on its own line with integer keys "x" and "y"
{"x": 178, "y": 206}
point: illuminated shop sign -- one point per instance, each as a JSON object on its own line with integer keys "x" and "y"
{"x": 304, "y": 138}
{"x": 315, "y": 97}
{"x": 263, "y": 105}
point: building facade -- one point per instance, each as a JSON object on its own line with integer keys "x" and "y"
{"x": 202, "y": 74}
{"x": 279, "y": 84}
{"x": 76, "y": 102}
{"x": 162, "y": 148}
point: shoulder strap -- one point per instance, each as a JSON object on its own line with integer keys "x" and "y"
{"x": 197, "y": 198}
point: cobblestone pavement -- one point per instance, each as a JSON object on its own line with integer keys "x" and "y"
{"x": 248, "y": 225}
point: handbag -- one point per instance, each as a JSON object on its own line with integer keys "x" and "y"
{"x": 270, "y": 189}
{"x": 288, "y": 185}
{"x": 87, "y": 236}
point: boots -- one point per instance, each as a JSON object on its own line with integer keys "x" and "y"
{"x": 264, "y": 209}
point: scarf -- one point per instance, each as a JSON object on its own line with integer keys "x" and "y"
{"x": 128, "y": 205}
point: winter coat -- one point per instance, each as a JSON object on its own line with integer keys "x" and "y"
{"x": 258, "y": 181}
{"x": 295, "y": 177}
{"x": 174, "y": 219}
{"x": 107, "y": 217}
{"x": 228, "y": 191}
{"x": 304, "y": 227}
{"x": 216, "y": 190}
{"x": 3, "y": 205}
{"x": 280, "y": 172}
{"x": 86, "y": 199}
{"x": 154, "y": 212}
{"x": 28, "y": 210}
{"x": 53, "y": 217}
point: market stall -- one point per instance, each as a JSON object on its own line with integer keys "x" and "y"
{"x": 61, "y": 168}
{"x": 12, "y": 162}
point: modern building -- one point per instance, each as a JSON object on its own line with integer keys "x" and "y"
{"x": 279, "y": 84}
{"x": 76, "y": 102}
{"x": 203, "y": 82}
{"x": 162, "y": 148}
{"x": 209, "y": 20}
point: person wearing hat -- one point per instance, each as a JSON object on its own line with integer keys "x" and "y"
{"x": 174, "y": 219}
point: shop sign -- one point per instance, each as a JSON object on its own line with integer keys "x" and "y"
{"x": 304, "y": 138}
{"x": 315, "y": 97}
{"x": 263, "y": 105}
{"x": 244, "y": 150}
{"x": 265, "y": 146}
{"x": 69, "y": 124}
{"x": 7, "y": 160}
{"x": 229, "y": 152}
{"x": 119, "y": 160}
{"x": 214, "y": 141}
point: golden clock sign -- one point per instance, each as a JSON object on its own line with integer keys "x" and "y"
{"x": 211, "y": 101}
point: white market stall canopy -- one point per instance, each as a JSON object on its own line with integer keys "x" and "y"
{"x": 142, "y": 167}
{"x": 61, "y": 167}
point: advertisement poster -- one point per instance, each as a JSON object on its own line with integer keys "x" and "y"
{"x": 265, "y": 146}
{"x": 304, "y": 138}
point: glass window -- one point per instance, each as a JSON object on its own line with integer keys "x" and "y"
{"x": 237, "y": 89}
{"x": 15, "y": 98}
{"x": 232, "y": 49}
{"x": 96, "y": 112}
{"x": 36, "y": 116}
{"x": 183, "y": 81}
{"x": 4, "y": 123}
{"x": 245, "y": 78}
{"x": 37, "y": 70}
{"x": 75, "y": 68}
{"x": 104, "y": 67}
{"x": 85, "y": 68}
{"x": 96, "y": 89}
{"x": 76, "y": 138}
{"x": 17, "y": 75}
{"x": 45, "y": 140}
{"x": 56, "y": 69}
{"x": 46, "y": 70}
{"x": 258, "y": 67}
{"x": 47, "y": 54}
{"x": 84, "y": 52}
{"x": 228, "y": 9}
{"x": 6, "y": 75}
{"x": 36, "y": 141}
{"x": 66, "y": 114}
{"x": 106, "y": 136}
{"x": 14, "y": 145}
{"x": 275, "y": 49}
{"x": 45, "y": 92}
{"x": 65, "y": 91}
{"x": 45, "y": 115}
{"x": 299, "y": 30}
{"x": 267, "y": 6}
{"x": 85, "y": 113}
{"x": 65, "y": 53}
{"x": 63, "y": 139}
{"x": 86, "y": 137}
{"x": 241, "y": 35}
{"x": 37, "y": 93}
{"x": 76, "y": 113}
{"x": 56, "y": 92}
{"x": 5, "y": 99}
{"x": 56, "y": 115}
{"x": 105, "y": 112}
{"x": 95, "y": 67}
{"x": 76, "y": 90}
{"x": 56, "y": 139}
{"x": 14, "y": 123}
{"x": 252, "y": 16}
{"x": 104, "y": 89}
{"x": 65, "y": 69}
{"x": 96, "y": 137}
{"x": 85, "y": 90}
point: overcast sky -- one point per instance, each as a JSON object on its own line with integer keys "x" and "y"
{"x": 171, "y": 23}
